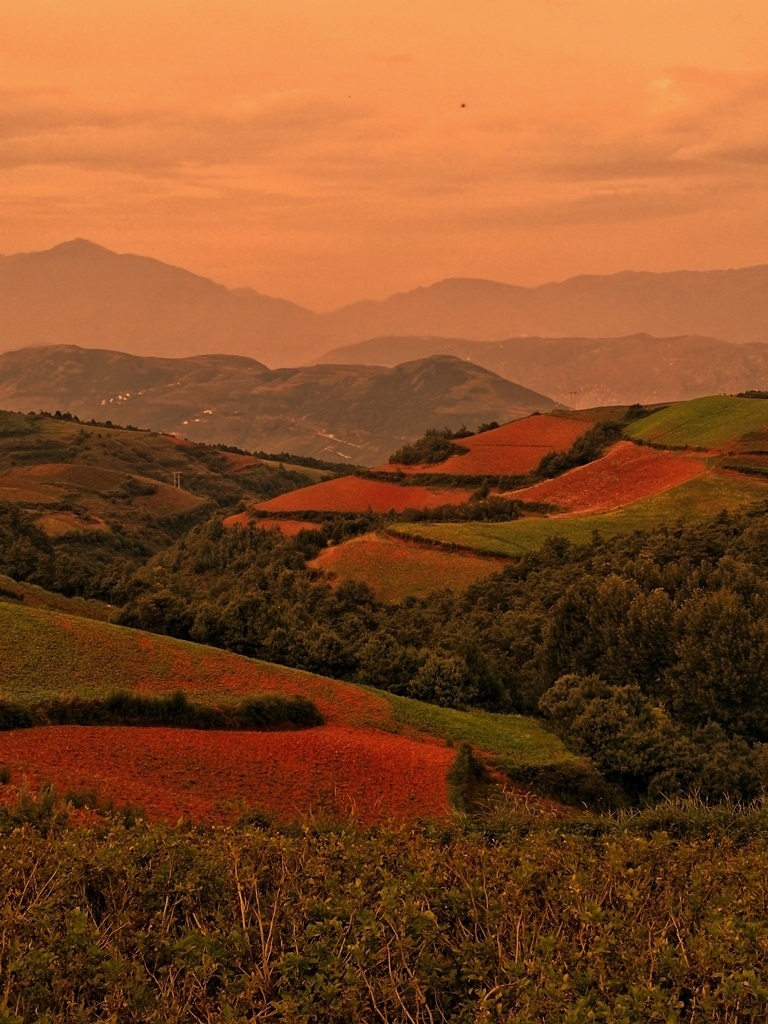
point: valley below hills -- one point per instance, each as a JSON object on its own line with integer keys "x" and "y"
{"x": 344, "y": 413}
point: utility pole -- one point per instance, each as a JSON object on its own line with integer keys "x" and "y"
{"x": 177, "y": 478}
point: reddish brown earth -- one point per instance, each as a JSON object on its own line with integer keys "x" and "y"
{"x": 517, "y": 447}
{"x": 182, "y": 442}
{"x": 339, "y": 703}
{"x": 288, "y": 527}
{"x": 49, "y": 482}
{"x": 357, "y": 494}
{"x": 236, "y": 463}
{"x": 395, "y": 568}
{"x": 333, "y": 770}
{"x": 626, "y": 473}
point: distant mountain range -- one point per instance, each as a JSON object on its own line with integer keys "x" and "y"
{"x": 80, "y": 293}
{"x": 587, "y": 372}
{"x": 359, "y": 414}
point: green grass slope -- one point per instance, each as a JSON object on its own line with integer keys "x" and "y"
{"x": 50, "y": 654}
{"x": 694, "y": 500}
{"x": 36, "y": 597}
{"x": 720, "y": 422}
{"x": 395, "y": 569}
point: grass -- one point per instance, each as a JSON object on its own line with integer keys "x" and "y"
{"x": 717, "y": 422}
{"x": 36, "y": 597}
{"x": 47, "y": 655}
{"x": 522, "y": 740}
{"x": 396, "y": 569}
{"x": 695, "y": 500}
{"x": 314, "y": 476}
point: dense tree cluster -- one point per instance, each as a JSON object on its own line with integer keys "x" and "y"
{"x": 85, "y": 565}
{"x": 435, "y": 446}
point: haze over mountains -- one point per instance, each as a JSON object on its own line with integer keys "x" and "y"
{"x": 80, "y": 293}
{"x": 359, "y": 414}
{"x": 587, "y": 372}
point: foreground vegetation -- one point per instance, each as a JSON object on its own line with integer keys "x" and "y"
{"x": 654, "y": 918}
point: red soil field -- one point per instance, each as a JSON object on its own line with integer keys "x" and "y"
{"x": 288, "y": 527}
{"x": 182, "y": 442}
{"x": 517, "y": 447}
{"x": 334, "y": 771}
{"x": 395, "y": 569}
{"x": 625, "y": 474}
{"x": 96, "y": 658}
{"x": 356, "y": 494}
{"x": 236, "y": 463}
{"x": 337, "y": 702}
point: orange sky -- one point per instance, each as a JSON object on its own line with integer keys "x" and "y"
{"x": 331, "y": 150}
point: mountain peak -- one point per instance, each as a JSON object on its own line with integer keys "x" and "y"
{"x": 79, "y": 247}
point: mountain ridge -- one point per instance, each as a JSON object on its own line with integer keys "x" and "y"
{"x": 349, "y": 413}
{"x": 82, "y": 293}
{"x": 587, "y": 372}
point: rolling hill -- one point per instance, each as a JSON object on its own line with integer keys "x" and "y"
{"x": 361, "y": 763}
{"x": 102, "y": 493}
{"x": 707, "y": 455}
{"x": 513, "y": 448}
{"x": 79, "y": 293}
{"x": 687, "y": 461}
{"x": 357, "y": 414}
{"x": 395, "y": 568}
{"x": 588, "y": 372}
{"x": 724, "y": 423}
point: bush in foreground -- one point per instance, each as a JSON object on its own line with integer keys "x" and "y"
{"x": 630, "y": 920}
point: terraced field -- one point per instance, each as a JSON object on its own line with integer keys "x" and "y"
{"x": 288, "y": 527}
{"x": 47, "y": 654}
{"x": 99, "y": 481}
{"x": 395, "y": 568}
{"x": 98, "y": 488}
{"x": 357, "y": 494}
{"x": 697, "y": 499}
{"x": 626, "y": 473}
{"x": 511, "y": 449}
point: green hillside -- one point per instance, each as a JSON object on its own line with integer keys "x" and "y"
{"x": 721, "y": 422}
{"x": 695, "y": 500}
{"x": 36, "y": 597}
{"x": 48, "y": 654}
